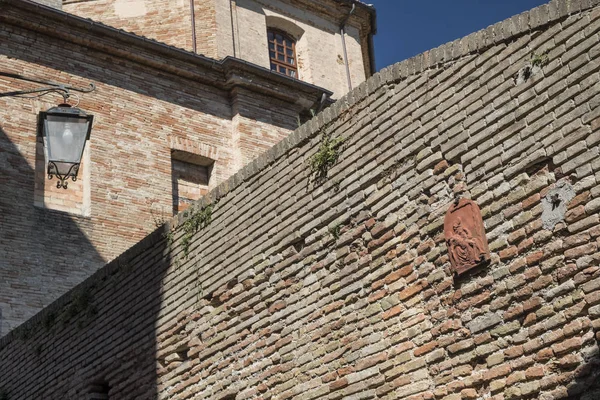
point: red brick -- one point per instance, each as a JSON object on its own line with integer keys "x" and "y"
{"x": 513, "y": 352}
{"x": 532, "y": 304}
{"x": 580, "y": 251}
{"x": 517, "y": 265}
{"x": 566, "y": 346}
{"x": 278, "y": 305}
{"x": 541, "y": 282}
{"x": 575, "y": 214}
{"x": 378, "y": 295}
{"x": 530, "y": 319}
{"x": 497, "y": 372}
{"x": 426, "y": 348}
{"x": 534, "y": 372}
{"x": 581, "y": 198}
{"x": 530, "y": 201}
{"x": 544, "y": 355}
{"x": 535, "y": 258}
{"x": 512, "y": 211}
{"x": 516, "y": 236}
{"x": 508, "y": 253}
{"x": 525, "y": 245}
{"x": 392, "y": 312}
{"x": 513, "y": 312}
{"x": 440, "y": 167}
{"x": 337, "y": 385}
{"x": 412, "y": 290}
{"x": 371, "y": 361}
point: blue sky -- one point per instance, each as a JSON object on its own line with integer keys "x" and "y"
{"x": 408, "y": 27}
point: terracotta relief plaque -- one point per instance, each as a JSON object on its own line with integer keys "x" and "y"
{"x": 465, "y": 236}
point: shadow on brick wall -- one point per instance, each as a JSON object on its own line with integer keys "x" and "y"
{"x": 43, "y": 253}
{"x": 582, "y": 379}
{"x": 98, "y": 339}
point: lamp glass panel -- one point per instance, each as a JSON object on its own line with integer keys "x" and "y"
{"x": 65, "y": 138}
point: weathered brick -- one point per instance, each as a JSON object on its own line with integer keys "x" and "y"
{"x": 273, "y": 298}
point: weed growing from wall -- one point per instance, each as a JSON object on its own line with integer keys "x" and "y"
{"x": 536, "y": 62}
{"x": 326, "y": 156}
{"x": 3, "y": 394}
{"x": 539, "y": 60}
{"x": 335, "y": 231}
{"x": 198, "y": 220}
{"x": 170, "y": 236}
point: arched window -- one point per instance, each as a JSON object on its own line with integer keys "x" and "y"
{"x": 282, "y": 53}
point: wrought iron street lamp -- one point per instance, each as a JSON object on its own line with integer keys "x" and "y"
{"x": 64, "y": 129}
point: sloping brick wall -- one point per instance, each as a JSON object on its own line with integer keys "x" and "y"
{"x": 341, "y": 288}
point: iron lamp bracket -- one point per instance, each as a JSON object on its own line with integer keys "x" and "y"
{"x": 50, "y": 87}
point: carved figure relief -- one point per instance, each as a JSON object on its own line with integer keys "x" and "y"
{"x": 465, "y": 236}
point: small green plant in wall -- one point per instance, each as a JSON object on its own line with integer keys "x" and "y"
{"x": 539, "y": 60}
{"x": 334, "y": 231}
{"x": 3, "y": 394}
{"x": 326, "y": 156}
{"x": 170, "y": 236}
{"x": 536, "y": 62}
{"x": 198, "y": 220}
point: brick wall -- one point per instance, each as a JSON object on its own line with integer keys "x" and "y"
{"x": 166, "y": 21}
{"x": 341, "y": 288}
{"x": 219, "y": 26}
{"x": 51, "y": 239}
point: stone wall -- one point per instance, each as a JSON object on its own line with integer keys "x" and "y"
{"x": 51, "y": 239}
{"x": 340, "y": 287}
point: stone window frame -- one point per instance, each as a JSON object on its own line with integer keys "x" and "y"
{"x": 288, "y": 46}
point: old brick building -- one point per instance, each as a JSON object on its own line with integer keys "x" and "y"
{"x": 303, "y": 279}
{"x": 237, "y": 28}
{"x": 169, "y": 124}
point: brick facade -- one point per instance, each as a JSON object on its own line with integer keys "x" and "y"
{"x": 340, "y": 287}
{"x": 239, "y": 29}
{"x": 51, "y": 239}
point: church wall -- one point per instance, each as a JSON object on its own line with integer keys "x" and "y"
{"x": 162, "y": 20}
{"x": 52, "y": 239}
{"x": 239, "y": 29}
{"x": 285, "y": 282}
